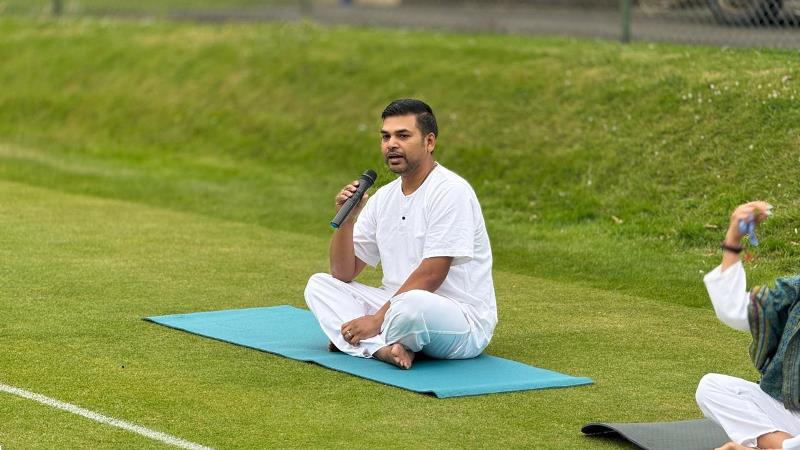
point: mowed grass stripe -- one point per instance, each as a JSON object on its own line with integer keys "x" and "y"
{"x": 100, "y": 418}
{"x": 28, "y": 424}
{"x": 80, "y": 272}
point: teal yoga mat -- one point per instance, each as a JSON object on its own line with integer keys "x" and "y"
{"x": 294, "y": 333}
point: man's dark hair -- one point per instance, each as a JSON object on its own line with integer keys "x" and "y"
{"x": 426, "y": 121}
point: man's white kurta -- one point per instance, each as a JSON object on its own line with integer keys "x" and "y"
{"x": 441, "y": 218}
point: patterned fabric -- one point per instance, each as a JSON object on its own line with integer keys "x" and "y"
{"x": 774, "y": 316}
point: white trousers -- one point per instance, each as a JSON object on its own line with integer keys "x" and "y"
{"x": 743, "y": 410}
{"x": 420, "y": 320}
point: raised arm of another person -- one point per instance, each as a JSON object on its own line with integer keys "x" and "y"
{"x": 727, "y": 283}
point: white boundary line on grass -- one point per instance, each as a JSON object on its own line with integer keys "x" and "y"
{"x": 97, "y": 417}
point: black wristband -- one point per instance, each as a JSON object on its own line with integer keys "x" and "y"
{"x": 731, "y": 248}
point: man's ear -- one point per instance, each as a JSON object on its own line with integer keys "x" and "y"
{"x": 430, "y": 142}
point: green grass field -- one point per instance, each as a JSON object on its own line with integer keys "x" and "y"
{"x": 156, "y": 168}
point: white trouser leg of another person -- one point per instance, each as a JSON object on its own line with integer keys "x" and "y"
{"x": 743, "y": 410}
{"x": 420, "y": 320}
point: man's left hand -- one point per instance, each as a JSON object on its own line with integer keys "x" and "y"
{"x": 362, "y": 328}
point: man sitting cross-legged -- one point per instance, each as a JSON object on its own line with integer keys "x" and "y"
{"x": 764, "y": 415}
{"x": 427, "y": 231}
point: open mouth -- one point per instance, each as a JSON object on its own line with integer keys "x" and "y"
{"x": 394, "y": 158}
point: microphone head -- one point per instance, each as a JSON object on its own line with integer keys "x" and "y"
{"x": 369, "y": 177}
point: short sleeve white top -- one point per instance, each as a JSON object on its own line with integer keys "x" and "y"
{"x": 441, "y": 218}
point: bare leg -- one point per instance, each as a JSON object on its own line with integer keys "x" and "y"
{"x": 396, "y": 354}
{"x": 773, "y": 440}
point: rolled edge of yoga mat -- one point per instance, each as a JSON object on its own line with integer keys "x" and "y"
{"x": 700, "y": 434}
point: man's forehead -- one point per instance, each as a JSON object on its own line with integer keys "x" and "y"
{"x": 397, "y": 123}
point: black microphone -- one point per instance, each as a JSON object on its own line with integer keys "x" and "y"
{"x": 364, "y": 182}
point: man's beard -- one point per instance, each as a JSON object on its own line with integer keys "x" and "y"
{"x": 410, "y": 166}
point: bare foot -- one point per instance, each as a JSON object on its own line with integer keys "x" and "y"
{"x": 397, "y": 355}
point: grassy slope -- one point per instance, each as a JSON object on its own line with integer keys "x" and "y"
{"x": 178, "y": 165}
{"x": 82, "y": 271}
{"x": 262, "y": 123}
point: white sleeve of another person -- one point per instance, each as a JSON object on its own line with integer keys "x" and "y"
{"x": 729, "y": 295}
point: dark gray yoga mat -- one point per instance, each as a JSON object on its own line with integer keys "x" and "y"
{"x": 701, "y": 434}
